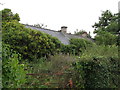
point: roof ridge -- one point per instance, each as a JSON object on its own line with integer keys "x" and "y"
{"x": 40, "y": 28}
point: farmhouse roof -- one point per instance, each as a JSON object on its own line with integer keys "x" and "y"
{"x": 63, "y": 37}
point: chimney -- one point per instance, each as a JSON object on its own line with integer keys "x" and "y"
{"x": 64, "y": 29}
{"x": 84, "y": 34}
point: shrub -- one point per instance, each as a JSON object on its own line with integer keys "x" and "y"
{"x": 76, "y": 47}
{"x": 106, "y": 38}
{"x": 31, "y": 44}
{"x": 80, "y": 45}
{"x": 13, "y": 74}
{"x": 7, "y": 15}
{"x": 98, "y": 69}
{"x": 0, "y": 62}
{"x": 68, "y": 49}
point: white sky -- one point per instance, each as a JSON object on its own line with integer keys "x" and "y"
{"x": 75, "y": 14}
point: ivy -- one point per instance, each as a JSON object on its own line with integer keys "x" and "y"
{"x": 13, "y": 74}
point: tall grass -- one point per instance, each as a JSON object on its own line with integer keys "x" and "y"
{"x": 54, "y": 72}
{"x": 101, "y": 50}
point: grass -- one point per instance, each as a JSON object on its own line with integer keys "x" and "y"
{"x": 57, "y": 71}
{"x": 50, "y": 73}
{"x": 102, "y": 50}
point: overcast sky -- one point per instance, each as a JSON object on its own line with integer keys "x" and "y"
{"x": 75, "y": 14}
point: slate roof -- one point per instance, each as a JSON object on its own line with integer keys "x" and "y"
{"x": 63, "y": 37}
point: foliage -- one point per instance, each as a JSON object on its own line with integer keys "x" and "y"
{"x": 0, "y": 62}
{"x": 80, "y": 45}
{"x": 7, "y": 15}
{"x": 54, "y": 72}
{"x": 79, "y": 32}
{"x": 101, "y": 50}
{"x": 13, "y": 74}
{"x": 68, "y": 49}
{"x": 0, "y": 22}
{"x": 108, "y": 22}
{"x": 97, "y": 66}
{"x": 105, "y": 38}
{"x": 0, "y": 73}
{"x": 40, "y": 25}
{"x": 82, "y": 32}
{"x": 98, "y": 69}
{"x": 104, "y": 20}
{"x": 107, "y": 28}
{"x": 112, "y": 27}
{"x": 31, "y": 44}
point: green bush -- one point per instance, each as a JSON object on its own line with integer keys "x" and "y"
{"x": 31, "y": 44}
{"x": 79, "y": 45}
{"x": 7, "y": 15}
{"x": 0, "y": 62}
{"x": 105, "y": 38}
{"x": 68, "y": 49}
{"x": 76, "y": 47}
{"x": 98, "y": 68}
{"x": 13, "y": 74}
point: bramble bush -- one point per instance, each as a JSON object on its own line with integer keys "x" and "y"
{"x": 13, "y": 73}
{"x": 98, "y": 67}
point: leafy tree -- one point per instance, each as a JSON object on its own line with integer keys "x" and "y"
{"x": 107, "y": 22}
{"x": 104, "y": 20}
{"x": 16, "y": 17}
{"x": 107, "y": 28}
{"x": 106, "y": 38}
{"x": 7, "y": 15}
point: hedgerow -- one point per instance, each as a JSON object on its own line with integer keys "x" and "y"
{"x": 98, "y": 69}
